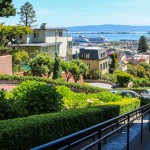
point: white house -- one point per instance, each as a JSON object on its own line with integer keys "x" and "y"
{"x": 43, "y": 39}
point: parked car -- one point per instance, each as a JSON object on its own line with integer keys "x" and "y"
{"x": 146, "y": 93}
{"x": 126, "y": 93}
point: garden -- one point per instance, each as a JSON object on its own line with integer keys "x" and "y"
{"x": 36, "y": 112}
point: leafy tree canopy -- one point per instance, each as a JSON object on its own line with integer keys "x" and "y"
{"x": 41, "y": 64}
{"x": 74, "y": 68}
{"x": 8, "y": 33}
{"x": 7, "y": 8}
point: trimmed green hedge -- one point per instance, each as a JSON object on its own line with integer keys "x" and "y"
{"x": 29, "y": 132}
{"x": 74, "y": 86}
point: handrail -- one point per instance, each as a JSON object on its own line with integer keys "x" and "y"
{"x": 77, "y": 137}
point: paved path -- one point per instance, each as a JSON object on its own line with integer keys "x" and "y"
{"x": 102, "y": 85}
{"x": 7, "y": 87}
{"x": 118, "y": 140}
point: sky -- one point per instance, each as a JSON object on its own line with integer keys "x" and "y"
{"x": 67, "y": 13}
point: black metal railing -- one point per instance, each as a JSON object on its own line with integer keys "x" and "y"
{"x": 100, "y": 132}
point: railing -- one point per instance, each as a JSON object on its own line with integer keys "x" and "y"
{"x": 114, "y": 125}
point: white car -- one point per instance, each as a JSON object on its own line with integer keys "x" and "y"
{"x": 146, "y": 93}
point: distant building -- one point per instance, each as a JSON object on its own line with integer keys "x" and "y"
{"x": 45, "y": 39}
{"x": 95, "y": 58}
{"x": 138, "y": 58}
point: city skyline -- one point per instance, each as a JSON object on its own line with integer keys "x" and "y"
{"x": 66, "y": 13}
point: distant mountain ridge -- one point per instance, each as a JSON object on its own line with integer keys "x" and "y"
{"x": 109, "y": 28}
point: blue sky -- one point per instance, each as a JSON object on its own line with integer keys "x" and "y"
{"x": 58, "y": 13}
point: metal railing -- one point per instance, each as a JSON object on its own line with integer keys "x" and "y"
{"x": 112, "y": 126}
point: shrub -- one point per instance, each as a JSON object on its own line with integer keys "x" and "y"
{"x": 32, "y": 97}
{"x": 109, "y": 97}
{"x": 29, "y": 132}
{"x": 5, "y": 105}
{"x": 123, "y": 78}
{"x": 73, "y": 86}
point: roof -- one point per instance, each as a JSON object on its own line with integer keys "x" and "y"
{"x": 34, "y": 44}
{"x": 57, "y": 28}
{"x": 95, "y": 53}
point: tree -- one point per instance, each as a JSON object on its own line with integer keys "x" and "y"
{"x": 27, "y": 14}
{"x": 7, "y": 8}
{"x": 57, "y": 71}
{"x": 8, "y": 33}
{"x": 114, "y": 64}
{"x": 41, "y": 64}
{"x": 142, "y": 47}
{"x": 74, "y": 68}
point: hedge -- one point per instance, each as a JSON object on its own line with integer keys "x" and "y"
{"x": 74, "y": 86}
{"x": 25, "y": 133}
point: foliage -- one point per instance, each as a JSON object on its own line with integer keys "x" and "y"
{"x": 7, "y": 8}
{"x": 123, "y": 78}
{"x": 145, "y": 65}
{"x": 143, "y": 46}
{"x": 96, "y": 74}
{"x": 72, "y": 100}
{"x": 57, "y": 71}
{"x": 6, "y": 111}
{"x": 32, "y": 97}
{"x": 75, "y": 68}
{"x": 132, "y": 70}
{"x": 74, "y": 86}
{"x": 20, "y": 58}
{"x": 140, "y": 71}
{"x": 41, "y": 64}
{"x": 33, "y": 131}
{"x": 140, "y": 82}
{"x": 114, "y": 64}
{"x": 27, "y": 15}
{"x": 8, "y": 33}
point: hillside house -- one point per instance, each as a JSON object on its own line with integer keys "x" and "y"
{"x": 95, "y": 57}
{"x": 43, "y": 39}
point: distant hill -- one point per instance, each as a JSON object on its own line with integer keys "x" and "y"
{"x": 109, "y": 28}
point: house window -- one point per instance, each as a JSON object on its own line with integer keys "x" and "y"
{"x": 106, "y": 65}
{"x": 101, "y": 67}
{"x": 60, "y": 34}
{"x": 20, "y": 37}
{"x": 70, "y": 45}
{"x": 88, "y": 66}
{"x": 82, "y": 55}
{"x": 87, "y": 56}
{"x": 34, "y": 35}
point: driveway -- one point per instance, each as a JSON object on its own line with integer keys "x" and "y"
{"x": 101, "y": 85}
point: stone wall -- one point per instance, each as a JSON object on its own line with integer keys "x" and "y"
{"x": 6, "y": 64}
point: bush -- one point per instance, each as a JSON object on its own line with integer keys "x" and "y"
{"x": 73, "y": 86}
{"x": 29, "y": 132}
{"x": 123, "y": 78}
{"x": 6, "y": 111}
{"x": 32, "y": 97}
{"x": 72, "y": 100}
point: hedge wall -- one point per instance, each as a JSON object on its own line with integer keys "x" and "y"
{"x": 74, "y": 86}
{"x": 29, "y": 132}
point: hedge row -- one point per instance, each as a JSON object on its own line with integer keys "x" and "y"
{"x": 29, "y": 132}
{"x": 74, "y": 86}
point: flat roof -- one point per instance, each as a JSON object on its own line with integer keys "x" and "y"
{"x": 59, "y": 28}
{"x": 34, "y": 44}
